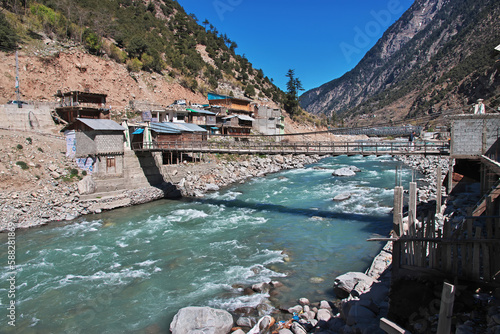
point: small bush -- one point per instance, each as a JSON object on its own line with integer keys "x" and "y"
{"x": 134, "y": 65}
{"x": 22, "y": 164}
{"x": 19, "y": 146}
{"x": 29, "y": 140}
{"x": 84, "y": 172}
{"x": 40, "y": 149}
{"x": 73, "y": 172}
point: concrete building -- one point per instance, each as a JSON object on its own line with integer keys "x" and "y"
{"x": 269, "y": 121}
{"x": 475, "y": 146}
{"x": 97, "y": 144}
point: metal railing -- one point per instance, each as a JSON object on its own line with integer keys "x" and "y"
{"x": 321, "y": 148}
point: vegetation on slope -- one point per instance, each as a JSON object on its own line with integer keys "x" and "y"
{"x": 157, "y": 36}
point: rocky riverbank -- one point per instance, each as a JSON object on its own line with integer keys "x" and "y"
{"x": 364, "y": 297}
{"x": 63, "y": 201}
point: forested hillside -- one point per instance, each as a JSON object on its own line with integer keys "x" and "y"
{"x": 438, "y": 57}
{"x": 156, "y": 36}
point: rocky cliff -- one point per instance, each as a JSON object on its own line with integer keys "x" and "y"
{"x": 438, "y": 56}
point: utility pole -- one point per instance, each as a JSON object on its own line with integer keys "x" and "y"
{"x": 18, "y": 97}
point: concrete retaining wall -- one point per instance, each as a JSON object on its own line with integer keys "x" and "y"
{"x": 31, "y": 117}
{"x": 474, "y": 135}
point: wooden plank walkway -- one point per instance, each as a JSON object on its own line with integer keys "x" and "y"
{"x": 364, "y": 148}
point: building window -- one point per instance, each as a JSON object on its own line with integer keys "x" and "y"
{"x": 110, "y": 164}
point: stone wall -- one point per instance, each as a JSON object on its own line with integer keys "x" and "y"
{"x": 474, "y": 135}
{"x": 98, "y": 142}
{"x": 109, "y": 141}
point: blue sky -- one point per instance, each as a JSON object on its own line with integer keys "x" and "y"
{"x": 320, "y": 39}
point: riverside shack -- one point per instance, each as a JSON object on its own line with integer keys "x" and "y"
{"x": 165, "y": 133}
{"x": 97, "y": 145}
{"x": 76, "y": 104}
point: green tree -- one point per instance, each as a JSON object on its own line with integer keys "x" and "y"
{"x": 205, "y": 23}
{"x": 293, "y": 87}
{"x": 8, "y": 38}
{"x": 250, "y": 91}
{"x": 92, "y": 42}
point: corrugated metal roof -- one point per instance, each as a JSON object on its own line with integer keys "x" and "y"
{"x": 176, "y": 127}
{"x": 101, "y": 124}
{"x": 201, "y": 111}
{"x": 190, "y": 127}
{"x": 164, "y": 128}
{"x": 242, "y": 117}
{"x": 246, "y": 118}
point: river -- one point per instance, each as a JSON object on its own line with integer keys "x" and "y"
{"x": 130, "y": 270}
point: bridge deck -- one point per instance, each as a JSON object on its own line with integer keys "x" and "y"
{"x": 309, "y": 148}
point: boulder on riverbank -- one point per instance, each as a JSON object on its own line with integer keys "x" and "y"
{"x": 87, "y": 185}
{"x": 344, "y": 171}
{"x": 342, "y": 197}
{"x": 201, "y": 320}
{"x": 351, "y": 282}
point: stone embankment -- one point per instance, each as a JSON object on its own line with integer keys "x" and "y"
{"x": 228, "y": 172}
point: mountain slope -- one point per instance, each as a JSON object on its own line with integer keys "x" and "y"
{"x": 153, "y": 38}
{"x": 427, "y": 61}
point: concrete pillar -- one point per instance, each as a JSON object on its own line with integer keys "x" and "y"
{"x": 412, "y": 205}
{"x": 450, "y": 175}
{"x": 438, "y": 188}
{"x": 398, "y": 210}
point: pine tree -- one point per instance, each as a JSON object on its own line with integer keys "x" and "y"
{"x": 293, "y": 87}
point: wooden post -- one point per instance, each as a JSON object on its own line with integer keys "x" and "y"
{"x": 438, "y": 188}
{"x": 398, "y": 210}
{"x": 391, "y": 328}
{"x": 476, "y": 265}
{"x": 446, "y": 309}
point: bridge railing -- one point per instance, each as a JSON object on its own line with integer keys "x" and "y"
{"x": 252, "y": 147}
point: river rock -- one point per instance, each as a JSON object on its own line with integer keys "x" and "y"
{"x": 344, "y": 171}
{"x": 211, "y": 187}
{"x": 342, "y": 197}
{"x": 238, "y": 331}
{"x": 285, "y": 331}
{"x": 201, "y": 320}
{"x": 324, "y": 304}
{"x": 304, "y": 301}
{"x": 261, "y": 287}
{"x": 246, "y": 321}
{"x": 87, "y": 185}
{"x": 324, "y": 314}
{"x": 263, "y": 325}
{"x": 295, "y": 309}
{"x": 345, "y": 284}
{"x": 298, "y": 329}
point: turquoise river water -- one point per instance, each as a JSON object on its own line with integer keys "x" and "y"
{"x": 130, "y": 270}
